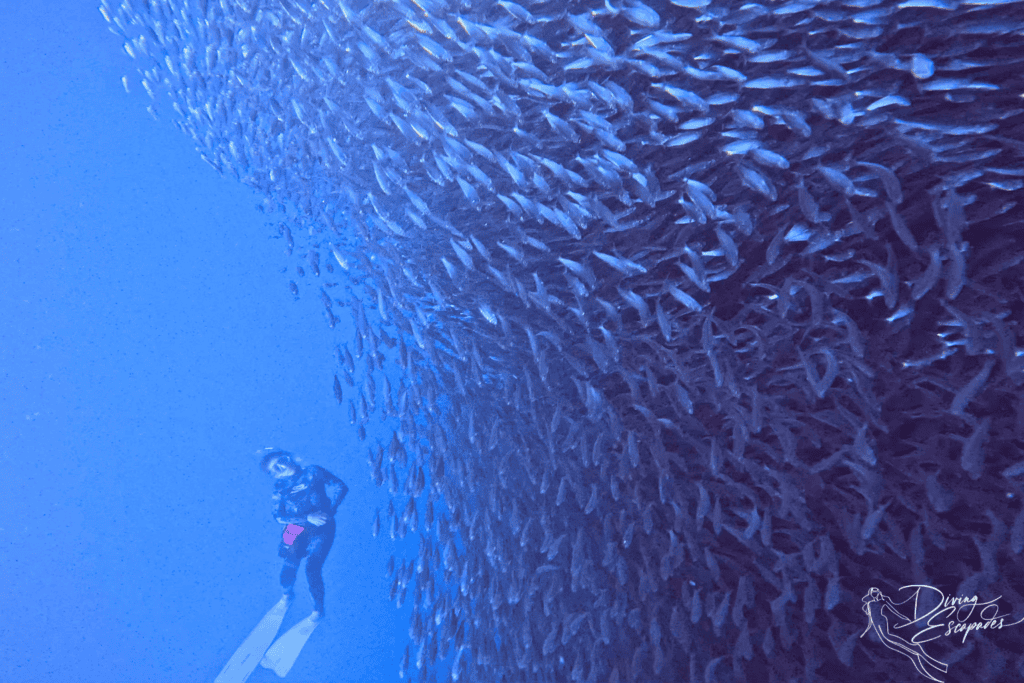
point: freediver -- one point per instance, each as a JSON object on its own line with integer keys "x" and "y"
{"x": 305, "y": 500}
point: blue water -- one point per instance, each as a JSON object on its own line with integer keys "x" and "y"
{"x": 148, "y": 346}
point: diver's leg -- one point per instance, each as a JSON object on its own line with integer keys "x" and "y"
{"x": 319, "y": 545}
{"x": 288, "y": 573}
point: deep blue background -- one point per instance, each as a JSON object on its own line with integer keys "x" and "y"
{"x": 149, "y": 346}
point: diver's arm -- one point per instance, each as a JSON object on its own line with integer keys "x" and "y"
{"x": 279, "y": 515}
{"x": 291, "y": 520}
{"x": 336, "y": 490}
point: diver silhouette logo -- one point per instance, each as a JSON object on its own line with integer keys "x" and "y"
{"x": 881, "y": 611}
{"x": 935, "y": 615}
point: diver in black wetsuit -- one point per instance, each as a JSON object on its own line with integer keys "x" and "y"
{"x": 305, "y": 499}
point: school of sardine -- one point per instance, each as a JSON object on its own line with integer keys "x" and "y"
{"x": 706, "y": 314}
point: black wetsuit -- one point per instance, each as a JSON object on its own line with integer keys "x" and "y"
{"x": 311, "y": 489}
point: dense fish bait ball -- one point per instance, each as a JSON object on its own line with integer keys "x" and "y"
{"x": 708, "y": 313}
